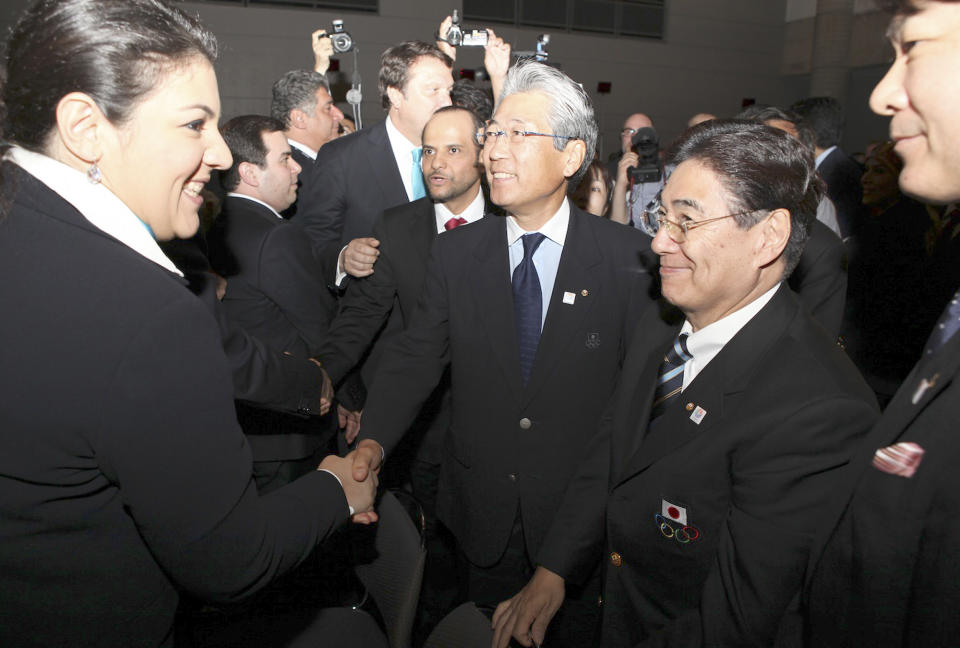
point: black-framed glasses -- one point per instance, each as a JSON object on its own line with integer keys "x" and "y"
{"x": 490, "y": 135}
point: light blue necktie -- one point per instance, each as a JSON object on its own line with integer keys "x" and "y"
{"x": 416, "y": 176}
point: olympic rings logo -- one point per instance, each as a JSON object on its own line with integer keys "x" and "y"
{"x": 682, "y": 534}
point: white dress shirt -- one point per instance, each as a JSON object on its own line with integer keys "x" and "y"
{"x": 232, "y": 194}
{"x": 823, "y": 156}
{"x": 100, "y": 206}
{"x": 547, "y": 257}
{"x": 472, "y": 213}
{"x": 303, "y": 148}
{"x": 705, "y": 344}
{"x": 403, "y": 154}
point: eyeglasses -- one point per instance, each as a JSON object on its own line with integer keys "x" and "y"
{"x": 490, "y": 136}
{"x": 656, "y": 218}
{"x": 629, "y": 131}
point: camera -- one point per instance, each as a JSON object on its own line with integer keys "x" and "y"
{"x": 459, "y": 38}
{"x": 541, "y": 54}
{"x": 646, "y": 144}
{"x": 342, "y": 41}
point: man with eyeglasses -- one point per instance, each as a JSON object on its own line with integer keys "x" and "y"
{"x": 530, "y": 311}
{"x": 629, "y": 198}
{"x": 733, "y": 418}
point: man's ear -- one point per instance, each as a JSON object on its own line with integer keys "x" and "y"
{"x": 249, "y": 174}
{"x": 395, "y": 95}
{"x": 774, "y": 236}
{"x": 575, "y": 151}
{"x": 298, "y": 118}
{"x": 83, "y": 129}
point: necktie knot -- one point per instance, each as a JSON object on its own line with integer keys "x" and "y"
{"x": 417, "y": 155}
{"x": 530, "y": 244}
{"x": 453, "y": 222}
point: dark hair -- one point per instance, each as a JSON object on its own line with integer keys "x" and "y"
{"x": 395, "y": 64}
{"x": 244, "y": 137}
{"x": 825, "y": 116}
{"x": 764, "y": 114}
{"x": 477, "y": 100}
{"x": 112, "y": 50}
{"x": 762, "y": 169}
{"x": 296, "y": 89}
{"x": 581, "y": 195}
{"x": 901, "y": 7}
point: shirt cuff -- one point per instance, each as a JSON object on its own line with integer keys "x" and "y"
{"x": 341, "y": 486}
{"x": 339, "y": 275}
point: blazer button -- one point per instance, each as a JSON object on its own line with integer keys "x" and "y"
{"x": 615, "y": 559}
{"x": 525, "y": 423}
{"x": 512, "y": 477}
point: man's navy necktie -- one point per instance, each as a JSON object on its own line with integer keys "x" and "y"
{"x": 416, "y": 176}
{"x": 946, "y": 326}
{"x": 527, "y": 304}
{"x": 670, "y": 378}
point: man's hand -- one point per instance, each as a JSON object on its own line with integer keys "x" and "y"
{"x": 349, "y": 423}
{"x": 360, "y": 493}
{"x": 326, "y": 389}
{"x": 526, "y": 616}
{"x": 322, "y": 51}
{"x": 629, "y": 159}
{"x": 496, "y": 59}
{"x": 444, "y": 46}
{"x": 366, "y": 459}
{"x": 358, "y": 257}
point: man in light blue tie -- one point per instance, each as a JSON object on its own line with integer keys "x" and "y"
{"x": 530, "y": 311}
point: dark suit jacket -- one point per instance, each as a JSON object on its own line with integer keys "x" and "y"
{"x": 890, "y": 575}
{"x": 784, "y": 408}
{"x": 842, "y": 175}
{"x": 124, "y": 474}
{"x": 307, "y": 176}
{"x": 820, "y": 278}
{"x": 356, "y": 179}
{"x": 276, "y": 293}
{"x": 511, "y": 445}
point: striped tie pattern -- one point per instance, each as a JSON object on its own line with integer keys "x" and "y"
{"x": 670, "y": 380}
{"x": 901, "y": 459}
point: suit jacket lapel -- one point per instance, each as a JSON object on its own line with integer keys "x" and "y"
{"x": 728, "y": 373}
{"x": 384, "y": 166}
{"x": 494, "y": 297}
{"x": 580, "y": 253}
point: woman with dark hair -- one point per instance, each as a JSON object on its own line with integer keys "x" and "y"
{"x": 592, "y": 195}
{"x": 124, "y": 477}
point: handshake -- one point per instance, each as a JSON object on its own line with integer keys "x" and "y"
{"x": 358, "y": 473}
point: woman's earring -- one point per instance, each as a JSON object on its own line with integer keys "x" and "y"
{"x": 93, "y": 173}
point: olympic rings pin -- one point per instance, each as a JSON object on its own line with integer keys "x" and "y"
{"x": 683, "y": 534}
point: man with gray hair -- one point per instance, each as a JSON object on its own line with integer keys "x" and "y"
{"x": 530, "y": 311}
{"x": 733, "y": 419}
{"x": 302, "y": 102}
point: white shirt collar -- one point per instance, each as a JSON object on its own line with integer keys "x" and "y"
{"x": 705, "y": 344}
{"x": 403, "y": 154}
{"x": 472, "y": 213}
{"x": 100, "y": 206}
{"x": 554, "y": 229}
{"x": 303, "y": 148}
{"x": 823, "y": 156}
{"x": 252, "y": 199}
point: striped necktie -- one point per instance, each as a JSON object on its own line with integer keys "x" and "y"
{"x": 670, "y": 380}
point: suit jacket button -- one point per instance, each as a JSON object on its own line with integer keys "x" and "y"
{"x": 525, "y": 423}
{"x": 615, "y": 559}
{"x": 512, "y": 477}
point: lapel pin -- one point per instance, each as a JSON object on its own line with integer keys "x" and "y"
{"x": 698, "y": 415}
{"x": 584, "y": 292}
{"x": 923, "y": 387}
{"x": 568, "y": 297}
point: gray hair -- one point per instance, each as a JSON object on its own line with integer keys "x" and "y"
{"x": 571, "y": 111}
{"x": 296, "y": 89}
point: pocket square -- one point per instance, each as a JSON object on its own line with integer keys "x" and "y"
{"x": 901, "y": 459}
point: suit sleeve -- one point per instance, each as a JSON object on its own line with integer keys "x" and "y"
{"x": 782, "y": 488}
{"x": 364, "y": 308}
{"x": 183, "y": 467}
{"x": 820, "y": 279}
{"x": 414, "y": 362}
{"x": 290, "y": 278}
{"x": 321, "y": 208}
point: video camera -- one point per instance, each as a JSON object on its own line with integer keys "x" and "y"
{"x": 459, "y": 38}
{"x": 646, "y": 144}
{"x": 342, "y": 41}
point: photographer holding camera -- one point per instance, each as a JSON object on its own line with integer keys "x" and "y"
{"x": 639, "y": 174}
